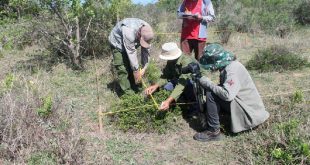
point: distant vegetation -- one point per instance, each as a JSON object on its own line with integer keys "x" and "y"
{"x": 276, "y": 58}
{"x": 75, "y": 30}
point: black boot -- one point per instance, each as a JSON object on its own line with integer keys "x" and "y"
{"x": 206, "y": 136}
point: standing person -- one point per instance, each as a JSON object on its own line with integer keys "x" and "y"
{"x": 235, "y": 94}
{"x": 196, "y": 15}
{"x": 125, "y": 38}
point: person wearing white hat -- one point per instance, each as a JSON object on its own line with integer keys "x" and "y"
{"x": 125, "y": 38}
{"x": 172, "y": 73}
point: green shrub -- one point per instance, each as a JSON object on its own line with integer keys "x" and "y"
{"x": 46, "y": 109}
{"x": 139, "y": 114}
{"x": 13, "y": 35}
{"x": 272, "y": 16}
{"x": 153, "y": 72}
{"x": 8, "y": 81}
{"x": 276, "y": 58}
{"x": 302, "y": 13}
{"x": 298, "y": 97}
{"x": 42, "y": 158}
{"x": 228, "y": 19}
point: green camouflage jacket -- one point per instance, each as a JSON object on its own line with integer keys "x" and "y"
{"x": 172, "y": 72}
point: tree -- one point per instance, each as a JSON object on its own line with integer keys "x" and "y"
{"x": 75, "y": 28}
{"x": 169, "y": 5}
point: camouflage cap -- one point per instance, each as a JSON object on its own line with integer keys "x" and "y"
{"x": 215, "y": 57}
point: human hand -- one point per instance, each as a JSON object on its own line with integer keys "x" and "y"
{"x": 142, "y": 71}
{"x": 137, "y": 76}
{"x": 151, "y": 89}
{"x": 187, "y": 12}
{"x": 198, "y": 16}
{"x": 166, "y": 104}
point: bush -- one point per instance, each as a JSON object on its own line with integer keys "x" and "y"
{"x": 272, "y": 17}
{"x": 14, "y": 35}
{"x": 42, "y": 158}
{"x": 276, "y": 58}
{"x": 153, "y": 72}
{"x": 46, "y": 109}
{"x": 302, "y": 13}
{"x": 227, "y": 19}
{"x": 141, "y": 115}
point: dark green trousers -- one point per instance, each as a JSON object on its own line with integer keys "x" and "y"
{"x": 123, "y": 71}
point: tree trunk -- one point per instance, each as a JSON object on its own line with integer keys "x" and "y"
{"x": 77, "y": 57}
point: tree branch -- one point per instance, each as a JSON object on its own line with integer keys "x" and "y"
{"x": 87, "y": 29}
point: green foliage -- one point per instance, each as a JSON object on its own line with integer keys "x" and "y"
{"x": 42, "y": 158}
{"x": 118, "y": 8}
{"x": 8, "y": 81}
{"x": 169, "y": 5}
{"x": 153, "y": 72}
{"x": 276, "y": 58}
{"x": 285, "y": 146}
{"x": 298, "y": 97}
{"x": 302, "y": 12}
{"x": 16, "y": 9}
{"x": 293, "y": 148}
{"x": 278, "y": 22}
{"x": 141, "y": 115}
{"x": 272, "y": 16}
{"x": 288, "y": 128}
{"x": 46, "y": 109}
{"x": 226, "y": 21}
{"x": 12, "y": 35}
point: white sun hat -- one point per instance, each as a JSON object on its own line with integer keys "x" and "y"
{"x": 170, "y": 51}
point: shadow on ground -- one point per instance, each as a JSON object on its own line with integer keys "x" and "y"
{"x": 198, "y": 122}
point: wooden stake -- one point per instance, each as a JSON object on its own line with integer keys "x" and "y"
{"x": 98, "y": 97}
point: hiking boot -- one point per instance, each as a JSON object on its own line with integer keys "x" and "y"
{"x": 206, "y": 136}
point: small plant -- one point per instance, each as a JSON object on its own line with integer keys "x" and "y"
{"x": 277, "y": 153}
{"x": 8, "y": 81}
{"x": 287, "y": 146}
{"x": 276, "y": 58}
{"x": 46, "y": 109}
{"x": 139, "y": 114}
{"x": 298, "y": 97}
{"x": 288, "y": 128}
{"x": 42, "y": 158}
